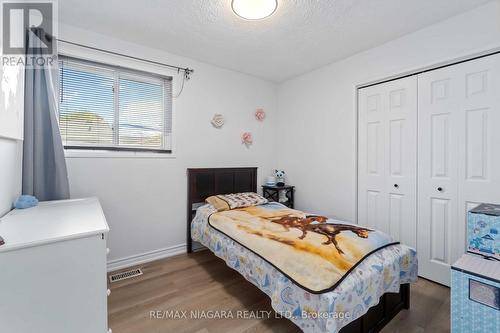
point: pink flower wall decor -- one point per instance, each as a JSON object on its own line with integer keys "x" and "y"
{"x": 246, "y": 139}
{"x": 260, "y": 114}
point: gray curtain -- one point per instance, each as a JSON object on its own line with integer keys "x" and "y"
{"x": 44, "y": 167}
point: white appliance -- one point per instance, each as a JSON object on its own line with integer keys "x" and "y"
{"x": 450, "y": 119}
{"x": 53, "y": 268}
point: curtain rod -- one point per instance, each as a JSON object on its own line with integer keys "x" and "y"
{"x": 187, "y": 71}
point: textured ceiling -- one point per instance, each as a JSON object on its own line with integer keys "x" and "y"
{"x": 302, "y": 35}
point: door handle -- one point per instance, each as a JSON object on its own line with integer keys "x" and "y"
{"x": 440, "y": 189}
{"x": 396, "y": 186}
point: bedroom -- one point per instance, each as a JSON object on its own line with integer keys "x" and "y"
{"x": 285, "y": 91}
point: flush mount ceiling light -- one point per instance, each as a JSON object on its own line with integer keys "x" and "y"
{"x": 254, "y": 9}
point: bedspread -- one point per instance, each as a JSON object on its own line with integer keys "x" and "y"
{"x": 311, "y": 250}
{"x": 378, "y": 274}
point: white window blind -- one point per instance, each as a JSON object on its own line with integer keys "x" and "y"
{"x": 111, "y": 108}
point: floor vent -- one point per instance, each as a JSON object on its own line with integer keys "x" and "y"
{"x": 125, "y": 275}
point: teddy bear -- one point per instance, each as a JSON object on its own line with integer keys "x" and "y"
{"x": 280, "y": 181}
{"x": 280, "y": 177}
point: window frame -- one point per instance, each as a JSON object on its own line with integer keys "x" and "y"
{"x": 126, "y": 73}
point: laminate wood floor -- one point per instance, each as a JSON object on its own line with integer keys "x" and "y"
{"x": 203, "y": 282}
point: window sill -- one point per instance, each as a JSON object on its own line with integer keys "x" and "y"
{"x": 84, "y": 153}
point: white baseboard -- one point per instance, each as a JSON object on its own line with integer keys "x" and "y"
{"x": 142, "y": 258}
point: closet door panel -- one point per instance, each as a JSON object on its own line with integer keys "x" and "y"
{"x": 397, "y": 203}
{"x": 371, "y": 201}
{"x": 400, "y": 160}
{"x": 439, "y": 236}
{"x": 387, "y": 158}
{"x": 459, "y": 118}
{"x": 479, "y": 157}
{"x": 438, "y": 122}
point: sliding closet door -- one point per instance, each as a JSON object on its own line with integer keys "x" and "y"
{"x": 459, "y": 160}
{"x": 439, "y": 127}
{"x": 387, "y": 127}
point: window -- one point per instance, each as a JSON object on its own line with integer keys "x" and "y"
{"x": 111, "y": 108}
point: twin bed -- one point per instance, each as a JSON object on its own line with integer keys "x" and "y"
{"x": 364, "y": 299}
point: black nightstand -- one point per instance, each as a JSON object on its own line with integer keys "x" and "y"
{"x": 272, "y": 193}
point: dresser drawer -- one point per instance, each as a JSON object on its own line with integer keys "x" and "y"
{"x": 57, "y": 287}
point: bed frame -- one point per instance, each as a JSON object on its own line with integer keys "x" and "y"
{"x": 205, "y": 182}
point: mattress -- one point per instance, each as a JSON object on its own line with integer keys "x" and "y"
{"x": 383, "y": 271}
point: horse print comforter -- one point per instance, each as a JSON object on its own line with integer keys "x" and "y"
{"x": 315, "y": 254}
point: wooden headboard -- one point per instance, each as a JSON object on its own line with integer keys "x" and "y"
{"x": 205, "y": 182}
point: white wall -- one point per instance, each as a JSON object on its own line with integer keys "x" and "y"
{"x": 145, "y": 199}
{"x": 10, "y": 173}
{"x": 317, "y": 111}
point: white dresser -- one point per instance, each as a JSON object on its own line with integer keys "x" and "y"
{"x": 53, "y": 268}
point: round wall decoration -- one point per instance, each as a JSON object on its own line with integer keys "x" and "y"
{"x": 260, "y": 115}
{"x": 247, "y": 139}
{"x": 218, "y": 120}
